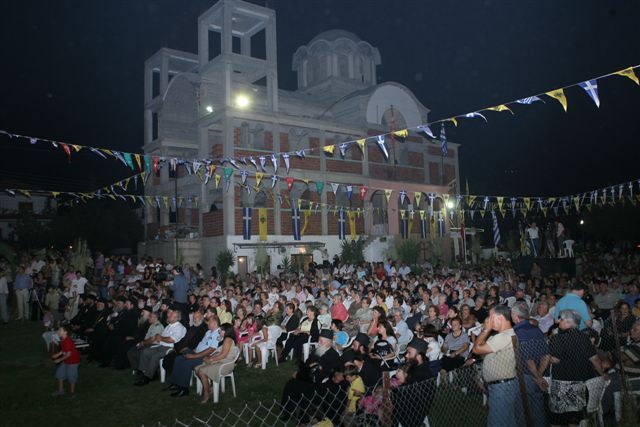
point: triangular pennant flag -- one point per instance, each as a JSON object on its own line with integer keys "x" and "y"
{"x": 129, "y": 160}
{"x": 380, "y": 141}
{"x": 334, "y": 187}
{"x": 500, "y": 200}
{"x": 500, "y": 108}
{"x": 319, "y": 186}
{"x": 452, "y": 120}
{"x": 274, "y": 162}
{"x": 527, "y": 202}
{"x": 417, "y": 195}
{"x": 349, "y": 191}
{"x": 363, "y": 192}
{"x": 76, "y": 147}
{"x": 253, "y": 162}
{"x": 343, "y": 149}
{"x": 289, "y": 183}
{"x": 218, "y": 177}
{"x": 138, "y": 161}
{"x": 476, "y": 114}
{"x": 445, "y": 197}
{"x": 401, "y": 135}
{"x": 576, "y": 201}
{"x": 243, "y": 175}
{"x": 482, "y": 212}
{"x": 529, "y": 100}
{"x": 274, "y": 180}
{"x": 591, "y": 87}
{"x": 360, "y": 143}
{"x": 558, "y": 94}
{"x": 285, "y": 157}
{"x": 425, "y": 131}
{"x": 328, "y": 149}
{"x": 471, "y": 200}
{"x": 387, "y": 194}
{"x": 263, "y": 163}
{"x": 165, "y": 200}
{"x": 628, "y": 72}
{"x": 403, "y": 194}
{"x": 259, "y": 176}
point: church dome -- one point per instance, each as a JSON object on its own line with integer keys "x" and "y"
{"x": 336, "y": 55}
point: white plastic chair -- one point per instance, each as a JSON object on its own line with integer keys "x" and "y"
{"x": 269, "y": 346}
{"x": 221, "y": 385}
{"x": 306, "y": 349}
{"x": 249, "y": 347}
{"x": 163, "y": 373}
{"x": 568, "y": 248}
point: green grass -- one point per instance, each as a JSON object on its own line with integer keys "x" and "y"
{"x": 106, "y": 397}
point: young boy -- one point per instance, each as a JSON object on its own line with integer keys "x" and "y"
{"x": 356, "y": 389}
{"x": 68, "y": 360}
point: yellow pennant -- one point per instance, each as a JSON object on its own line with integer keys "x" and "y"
{"x": 76, "y": 147}
{"x": 196, "y": 199}
{"x": 256, "y": 189}
{"x": 259, "y": 176}
{"x": 500, "y": 108}
{"x": 589, "y": 206}
{"x": 329, "y": 149}
{"x": 112, "y": 196}
{"x": 446, "y": 199}
{"x": 527, "y": 202}
{"x": 218, "y": 181}
{"x": 417, "y": 195}
{"x": 552, "y": 200}
{"x": 452, "y": 120}
{"x": 149, "y": 199}
{"x": 306, "y": 181}
{"x": 165, "y": 199}
{"x": 352, "y": 224}
{"x": 576, "y": 201}
{"x": 524, "y": 212}
{"x": 471, "y": 199}
{"x": 358, "y": 212}
{"x": 482, "y": 212}
{"x": 306, "y": 215}
{"x": 138, "y": 161}
{"x": 387, "y": 194}
{"x": 421, "y": 212}
{"x": 131, "y": 196}
{"x": 402, "y": 214}
{"x": 104, "y": 150}
{"x": 628, "y": 72}
{"x": 299, "y": 203}
{"x": 55, "y": 193}
{"x": 410, "y": 225}
{"x": 126, "y": 183}
{"x": 401, "y": 133}
{"x": 361, "y": 144}
{"x": 558, "y": 94}
{"x": 26, "y": 193}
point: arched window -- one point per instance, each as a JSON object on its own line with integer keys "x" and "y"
{"x": 260, "y": 199}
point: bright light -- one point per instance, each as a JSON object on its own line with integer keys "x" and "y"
{"x": 242, "y": 101}
{"x": 303, "y": 250}
{"x": 450, "y": 204}
{"x": 582, "y": 222}
{"x": 240, "y": 259}
{"x": 209, "y": 109}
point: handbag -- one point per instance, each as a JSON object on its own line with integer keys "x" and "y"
{"x": 567, "y": 396}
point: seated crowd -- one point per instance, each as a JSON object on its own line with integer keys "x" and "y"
{"x": 346, "y": 325}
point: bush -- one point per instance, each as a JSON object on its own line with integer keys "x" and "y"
{"x": 352, "y": 251}
{"x": 408, "y": 252}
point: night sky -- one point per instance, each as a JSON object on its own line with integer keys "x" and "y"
{"x": 73, "y": 71}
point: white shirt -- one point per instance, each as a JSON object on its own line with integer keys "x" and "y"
{"x": 533, "y": 232}
{"x": 560, "y": 230}
{"x": 177, "y": 331}
{"x": 404, "y": 271}
{"x": 78, "y": 285}
{"x": 545, "y": 323}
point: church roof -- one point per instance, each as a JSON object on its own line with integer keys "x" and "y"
{"x": 332, "y": 35}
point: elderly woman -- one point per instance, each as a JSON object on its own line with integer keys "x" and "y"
{"x": 575, "y": 361}
{"x": 455, "y": 348}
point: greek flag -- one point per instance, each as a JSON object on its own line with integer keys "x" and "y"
{"x": 591, "y": 87}
{"x": 529, "y": 100}
{"x": 295, "y": 218}
{"x": 246, "y": 223}
{"x": 443, "y": 141}
{"x": 496, "y": 230}
{"x": 341, "y": 225}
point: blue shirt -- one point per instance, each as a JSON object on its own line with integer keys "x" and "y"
{"x": 532, "y": 343}
{"x": 572, "y": 301}
{"x": 23, "y": 281}
{"x": 210, "y": 340}
{"x": 180, "y": 288}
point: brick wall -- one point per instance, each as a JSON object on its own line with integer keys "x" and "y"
{"x": 435, "y": 151}
{"x": 344, "y": 166}
{"x": 195, "y": 216}
{"x": 152, "y": 230}
{"x": 237, "y": 136}
{"x": 449, "y": 173}
{"x": 434, "y": 174}
{"x": 284, "y": 142}
{"x": 212, "y": 223}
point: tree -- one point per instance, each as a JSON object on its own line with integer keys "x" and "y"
{"x": 352, "y": 251}
{"x": 409, "y": 251}
{"x": 224, "y": 261}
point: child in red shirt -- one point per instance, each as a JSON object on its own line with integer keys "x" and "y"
{"x": 68, "y": 361}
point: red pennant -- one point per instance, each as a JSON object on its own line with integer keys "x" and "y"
{"x": 289, "y": 183}
{"x": 66, "y": 149}
{"x": 155, "y": 164}
{"x": 363, "y": 192}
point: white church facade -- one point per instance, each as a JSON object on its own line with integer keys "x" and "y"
{"x": 223, "y": 102}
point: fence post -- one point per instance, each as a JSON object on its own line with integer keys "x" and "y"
{"x": 385, "y": 417}
{"x": 521, "y": 381}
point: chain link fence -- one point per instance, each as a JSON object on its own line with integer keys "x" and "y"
{"x": 560, "y": 379}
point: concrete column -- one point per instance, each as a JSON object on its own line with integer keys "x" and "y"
{"x": 228, "y": 72}
{"x": 245, "y": 46}
{"x": 227, "y": 25}
{"x": 148, "y": 83}
{"x": 203, "y": 43}
{"x": 164, "y": 73}
{"x": 272, "y": 90}
{"x": 272, "y": 42}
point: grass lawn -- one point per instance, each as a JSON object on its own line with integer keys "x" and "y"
{"x": 106, "y": 397}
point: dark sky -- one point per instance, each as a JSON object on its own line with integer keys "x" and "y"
{"x": 73, "y": 71}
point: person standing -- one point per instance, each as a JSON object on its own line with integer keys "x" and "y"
{"x": 4, "y": 294}
{"x": 573, "y": 301}
{"x": 533, "y": 234}
{"x": 560, "y": 233}
{"x": 499, "y": 368}
{"x": 180, "y": 288}
{"x": 22, "y": 285}
{"x": 534, "y": 360}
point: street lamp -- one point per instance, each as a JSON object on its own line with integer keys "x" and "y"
{"x": 242, "y": 101}
{"x": 209, "y": 109}
{"x": 450, "y": 205}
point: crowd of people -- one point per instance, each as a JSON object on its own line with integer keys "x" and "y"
{"x": 557, "y": 340}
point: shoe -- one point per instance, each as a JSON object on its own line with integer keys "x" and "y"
{"x": 180, "y": 393}
{"x": 170, "y": 388}
{"x": 142, "y": 381}
{"x": 57, "y": 393}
